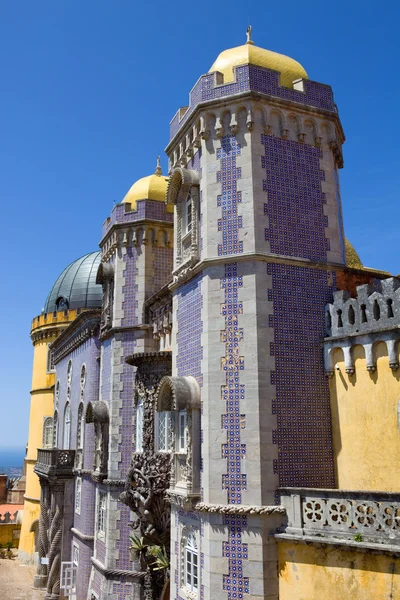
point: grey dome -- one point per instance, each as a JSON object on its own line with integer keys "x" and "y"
{"x": 76, "y": 287}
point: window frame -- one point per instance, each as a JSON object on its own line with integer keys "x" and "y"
{"x": 78, "y": 495}
{"x": 191, "y": 557}
{"x": 167, "y": 417}
{"x": 75, "y": 551}
{"x": 67, "y": 430}
{"x": 181, "y": 431}
{"x": 139, "y": 425}
{"x": 50, "y": 366}
{"x": 48, "y": 428}
{"x": 101, "y": 514}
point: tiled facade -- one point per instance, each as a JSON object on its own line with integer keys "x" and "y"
{"x": 248, "y": 310}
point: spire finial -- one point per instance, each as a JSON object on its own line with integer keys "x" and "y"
{"x": 158, "y": 167}
{"x": 248, "y": 34}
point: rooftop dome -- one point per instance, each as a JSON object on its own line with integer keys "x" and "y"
{"x": 352, "y": 259}
{"x": 76, "y": 287}
{"x": 152, "y": 187}
{"x": 289, "y": 68}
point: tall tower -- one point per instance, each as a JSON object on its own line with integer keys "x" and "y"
{"x": 74, "y": 290}
{"x": 258, "y": 237}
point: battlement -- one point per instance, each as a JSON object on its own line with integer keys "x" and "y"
{"x": 371, "y": 311}
{"x": 55, "y": 318}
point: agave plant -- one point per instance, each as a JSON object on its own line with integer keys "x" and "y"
{"x": 159, "y": 554}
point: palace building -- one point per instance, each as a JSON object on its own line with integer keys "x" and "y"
{"x": 215, "y": 393}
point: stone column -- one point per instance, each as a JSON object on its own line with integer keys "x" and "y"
{"x": 55, "y": 536}
{"x": 40, "y": 580}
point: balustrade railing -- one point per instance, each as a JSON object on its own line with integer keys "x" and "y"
{"x": 54, "y": 461}
{"x": 359, "y": 516}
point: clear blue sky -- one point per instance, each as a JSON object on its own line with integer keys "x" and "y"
{"x": 87, "y": 92}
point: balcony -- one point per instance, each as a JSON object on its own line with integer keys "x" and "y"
{"x": 54, "y": 462}
{"x": 369, "y": 517}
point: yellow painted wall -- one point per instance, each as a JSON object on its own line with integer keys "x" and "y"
{"x": 6, "y": 533}
{"x": 366, "y": 435}
{"x": 307, "y": 572}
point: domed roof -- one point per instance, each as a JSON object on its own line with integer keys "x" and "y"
{"x": 352, "y": 259}
{"x": 76, "y": 287}
{"x": 152, "y": 187}
{"x": 289, "y": 68}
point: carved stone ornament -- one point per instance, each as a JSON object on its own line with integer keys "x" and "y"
{"x": 178, "y": 393}
{"x": 148, "y": 480}
{"x": 184, "y": 184}
{"x": 98, "y": 414}
{"x": 105, "y": 276}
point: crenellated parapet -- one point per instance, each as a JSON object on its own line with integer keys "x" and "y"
{"x": 372, "y": 317}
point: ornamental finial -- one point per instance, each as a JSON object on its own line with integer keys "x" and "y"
{"x": 248, "y": 34}
{"x": 158, "y": 167}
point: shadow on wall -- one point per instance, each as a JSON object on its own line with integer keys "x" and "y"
{"x": 319, "y": 572}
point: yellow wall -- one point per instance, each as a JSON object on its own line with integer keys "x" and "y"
{"x": 6, "y": 533}
{"x": 329, "y": 573}
{"x": 366, "y": 435}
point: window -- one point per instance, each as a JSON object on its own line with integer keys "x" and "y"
{"x": 55, "y": 428}
{"x": 75, "y": 555}
{"x": 101, "y": 513}
{"x": 163, "y": 431}
{"x": 182, "y": 431}
{"x": 47, "y": 441}
{"x": 67, "y": 426}
{"x": 69, "y": 373}
{"x": 68, "y": 578}
{"x": 50, "y": 360}
{"x": 139, "y": 425}
{"x": 188, "y": 215}
{"x": 78, "y": 495}
{"x": 191, "y": 563}
{"x": 80, "y": 433}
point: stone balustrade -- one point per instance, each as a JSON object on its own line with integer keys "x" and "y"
{"x": 54, "y": 462}
{"x": 372, "y": 517}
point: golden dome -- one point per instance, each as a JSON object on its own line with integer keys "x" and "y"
{"x": 352, "y": 259}
{"x": 289, "y": 68}
{"x": 152, "y": 187}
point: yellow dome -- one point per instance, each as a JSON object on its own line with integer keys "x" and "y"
{"x": 249, "y": 54}
{"x": 152, "y": 187}
{"x": 352, "y": 259}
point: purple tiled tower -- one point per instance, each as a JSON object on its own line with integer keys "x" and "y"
{"x": 258, "y": 237}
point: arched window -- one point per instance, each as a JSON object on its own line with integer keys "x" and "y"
{"x": 67, "y": 427}
{"x": 55, "y": 428}
{"x": 47, "y": 440}
{"x": 139, "y": 425}
{"x": 191, "y": 562}
{"x": 80, "y": 436}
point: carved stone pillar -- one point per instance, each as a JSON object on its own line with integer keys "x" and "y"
{"x": 55, "y": 537}
{"x": 40, "y": 580}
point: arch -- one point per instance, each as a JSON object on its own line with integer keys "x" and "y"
{"x": 293, "y": 122}
{"x": 276, "y": 122}
{"x": 226, "y": 120}
{"x": 310, "y": 129}
{"x": 105, "y": 271}
{"x": 179, "y": 184}
{"x": 326, "y": 132}
{"x": 69, "y": 372}
{"x": 178, "y": 393}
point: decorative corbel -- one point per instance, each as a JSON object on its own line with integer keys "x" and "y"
{"x": 249, "y": 120}
{"x": 348, "y": 361}
{"x": 369, "y": 358}
{"x": 233, "y": 125}
{"x": 301, "y": 138}
{"x": 204, "y": 133}
{"x": 219, "y": 130}
{"x": 392, "y": 354}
